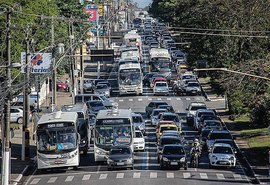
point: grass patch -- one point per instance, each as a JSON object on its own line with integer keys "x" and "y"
{"x": 259, "y": 141}
{"x": 242, "y": 118}
{"x": 255, "y": 132}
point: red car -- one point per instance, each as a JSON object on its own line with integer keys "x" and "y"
{"x": 62, "y": 86}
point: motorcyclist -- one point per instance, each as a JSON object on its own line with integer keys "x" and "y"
{"x": 196, "y": 148}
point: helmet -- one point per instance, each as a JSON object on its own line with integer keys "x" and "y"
{"x": 196, "y": 140}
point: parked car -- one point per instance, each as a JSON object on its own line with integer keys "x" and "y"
{"x": 139, "y": 141}
{"x": 120, "y": 156}
{"x": 222, "y": 155}
{"x": 153, "y": 105}
{"x": 88, "y": 86}
{"x": 62, "y": 86}
{"x": 173, "y": 156}
{"x": 161, "y": 88}
{"x": 16, "y": 115}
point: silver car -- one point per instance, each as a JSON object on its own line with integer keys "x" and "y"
{"x": 193, "y": 88}
{"x": 102, "y": 89}
{"x": 161, "y": 88}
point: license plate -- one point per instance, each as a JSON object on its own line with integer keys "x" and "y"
{"x": 223, "y": 163}
{"x": 174, "y": 163}
{"x": 120, "y": 164}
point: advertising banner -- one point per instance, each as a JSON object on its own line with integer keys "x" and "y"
{"x": 40, "y": 63}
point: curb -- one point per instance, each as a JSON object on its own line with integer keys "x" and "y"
{"x": 203, "y": 92}
{"x": 18, "y": 179}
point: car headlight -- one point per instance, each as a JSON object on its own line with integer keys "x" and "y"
{"x": 165, "y": 159}
{"x": 142, "y": 142}
{"x": 100, "y": 152}
{"x": 109, "y": 160}
{"x": 183, "y": 159}
{"x": 129, "y": 160}
{"x": 214, "y": 157}
{"x": 231, "y": 158}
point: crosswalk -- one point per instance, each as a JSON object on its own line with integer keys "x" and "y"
{"x": 158, "y": 98}
{"x": 138, "y": 175}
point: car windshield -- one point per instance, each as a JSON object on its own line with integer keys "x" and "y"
{"x": 173, "y": 150}
{"x": 170, "y": 118}
{"x": 212, "y": 124}
{"x": 197, "y": 107}
{"x": 138, "y": 134}
{"x": 222, "y": 150}
{"x": 220, "y": 136}
{"x": 200, "y": 114}
{"x": 137, "y": 119}
{"x": 161, "y": 84}
{"x": 205, "y": 133}
{"x": 120, "y": 151}
{"x": 192, "y": 84}
{"x": 167, "y": 141}
{"x": 102, "y": 86}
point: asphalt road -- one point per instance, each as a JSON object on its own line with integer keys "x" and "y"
{"x": 147, "y": 169}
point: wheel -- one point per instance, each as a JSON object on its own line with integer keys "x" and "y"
{"x": 20, "y": 120}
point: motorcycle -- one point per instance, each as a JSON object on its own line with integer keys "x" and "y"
{"x": 195, "y": 155}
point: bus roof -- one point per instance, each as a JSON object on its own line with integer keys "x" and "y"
{"x": 58, "y": 116}
{"x": 159, "y": 52}
{"x": 130, "y": 66}
{"x": 114, "y": 113}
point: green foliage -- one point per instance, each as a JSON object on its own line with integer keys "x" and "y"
{"x": 260, "y": 112}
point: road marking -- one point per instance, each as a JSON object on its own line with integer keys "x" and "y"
{"x": 145, "y": 157}
{"x": 186, "y": 175}
{"x": 120, "y": 175}
{"x": 103, "y": 176}
{"x": 35, "y": 181}
{"x": 136, "y": 175}
{"x": 169, "y": 99}
{"x": 187, "y": 98}
{"x": 86, "y": 177}
{"x": 220, "y": 176}
{"x": 121, "y": 100}
{"x": 52, "y": 180}
{"x": 197, "y": 98}
{"x": 170, "y": 175}
{"x": 69, "y": 178}
{"x": 237, "y": 177}
{"x": 139, "y": 99}
{"x": 203, "y": 176}
{"x": 178, "y": 99}
{"x": 130, "y": 99}
{"x": 159, "y": 99}
{"x": 153, "y": 175}
{"x": 150, "y": 99}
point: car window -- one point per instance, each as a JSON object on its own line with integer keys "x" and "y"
{"x": 120, "y": 151}
{"x": 137, "y": 119}
{"x": 167, "y": 141}
{"x": 138, "y": 134}
{"x": 197, "y": 107}
{"x": 220, "y": 136}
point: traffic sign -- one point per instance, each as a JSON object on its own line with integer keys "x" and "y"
{"x": 100, "y": 10}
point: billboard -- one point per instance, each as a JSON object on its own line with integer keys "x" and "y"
{"x": 40, "y": 62}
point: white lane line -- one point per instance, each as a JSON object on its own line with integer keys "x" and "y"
{"x": 197, "y": 98}
{"x": 130, "y": 99}
{"x": 153, "y": 175}
{"x": 145, "y": 157}
{"x": 151, "y": 148}
{"x": 35, "y": 181}
{"x": 186, "y": 175}
{"x": 178, "y": 99}
{"x": 120, "y": 175}
{"x": 103, "y": 176}
{"x": 121, "y": 100}
{"x": 52, "y": 180}
{"x": 203, "y": 176}
{"x": 139, "y": 99}
{"x": 69, "y": 178}
{"x": 169, "y": 99}
{"x": 237, "y": 177}
{"x": 220, "y": 176}
{"x": 188, "y": 99}
{"x": 86, "y": 177}
{"x": 159, "y": 99}
{"x": 170, "y": 175}
{"x": 136, "y": 175}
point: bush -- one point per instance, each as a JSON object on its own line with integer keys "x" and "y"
{"x": 260, "y": 115}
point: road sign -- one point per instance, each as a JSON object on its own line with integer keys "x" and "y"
{"x": 100, "y": 10}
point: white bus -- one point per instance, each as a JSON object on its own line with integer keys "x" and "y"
{"x": 160, "y": 61}
{"x": 130, "y": 79}
{"x": 58, "y": 140}
{"x": 113, "y": 127}
{"x": 133, "y": 39}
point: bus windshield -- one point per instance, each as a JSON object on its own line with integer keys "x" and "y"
{"x": 113, "y": 135}
{"x": 56, "y": 140}
{"x": 130, "y": 77}
{"x": 160, "y": 65}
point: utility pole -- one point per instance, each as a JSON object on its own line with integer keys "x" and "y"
{"x": 81, "y": 66}
{"x": 6, "y": 153}
{"x": 26, "y": 106}
{"x": 72, "y": 63}
{"x": 54, "y": 95}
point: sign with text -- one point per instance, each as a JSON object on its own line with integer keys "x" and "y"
{"x": 40, "y": 62}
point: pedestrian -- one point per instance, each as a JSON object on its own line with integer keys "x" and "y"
{"x": 67, "y": 84}
{"x": 35, "y": 106}
{"x": 47, "y": 110}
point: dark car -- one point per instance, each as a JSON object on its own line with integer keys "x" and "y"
{"x": 167, "y": 140}
{"x": 120, "y": 156}
{"x": 173, "y": 156}
{"x": 153, "y": 105}
{"x": 94, "y": 106}
{"x": 147, "y": 78}
{"x": 61, "y": 86}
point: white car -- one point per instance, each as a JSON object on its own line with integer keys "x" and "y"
{"x": 139, "y": 142}
{"x": 161, "y": 88}
{"x": 222, "y": 155}
{"x": 16, "y": 115}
